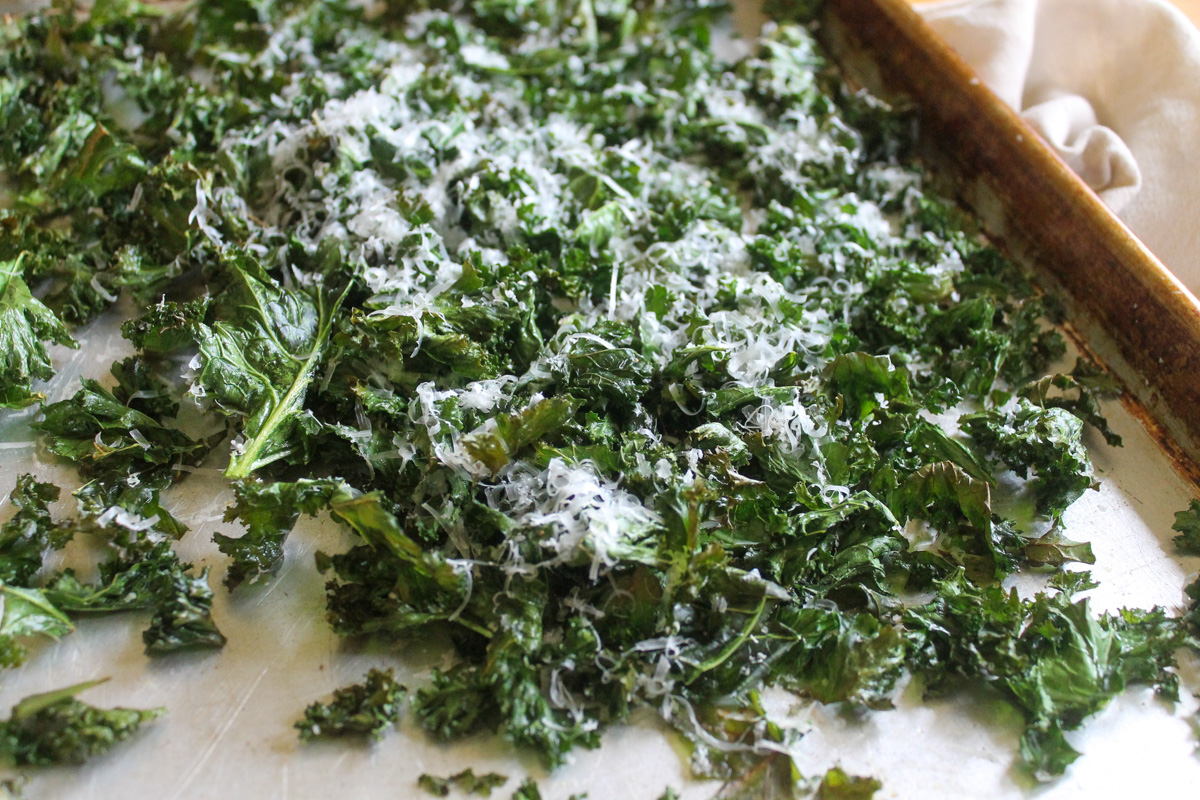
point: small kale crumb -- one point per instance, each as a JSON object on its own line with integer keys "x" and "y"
{"x": 366, "y": 708}
{"x": 669, "y": 794}
{"x": 1192, "y": 617}
{"x": 438, "y": 787}
{"x": 13, "y": 788}
{"x": 466, "y": 780}
{"x": 1187, "y": 524}
{"x": 837, "y": 785}
{"x": 481, "y": 784}
{"x": 528, "y": 790}
{"x": 55, "y": 728}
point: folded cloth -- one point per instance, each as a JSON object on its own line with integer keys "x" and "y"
{"x": 1114, "y": 87}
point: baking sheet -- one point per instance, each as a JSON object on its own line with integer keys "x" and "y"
{"x": 228, "y": 729}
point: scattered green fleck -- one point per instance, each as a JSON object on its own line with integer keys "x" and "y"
{"x": 528, "y": 790}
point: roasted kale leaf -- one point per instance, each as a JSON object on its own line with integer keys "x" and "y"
{"x": 56, "y": 728}
{"x": 466, "y": 781}
{"x": 1187, "y": 524}
{"x": 29, "y": 533}
{"x": 364, "y": 709}
{"x": 26, "y": 324}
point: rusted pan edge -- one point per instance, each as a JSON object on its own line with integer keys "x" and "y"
{"x": 1131, "y": 311}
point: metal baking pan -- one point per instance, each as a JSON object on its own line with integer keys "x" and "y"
{"x": 228, "y": 732}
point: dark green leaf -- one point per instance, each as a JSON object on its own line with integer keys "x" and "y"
{"x": 25, "y": 613}
{"x": 26, "y": 537}
{"x": 528, "y": 790}
{"x": 269, "y": 512}
{"x": 258, "y": 359}
{"x": 55, "y": 728}
{"x": 838, "y": 785}
{"x": 364, "y": 709}
{"x": 25, "y": 324}
{"x": 1187, "y": 525}
{"x": 183, "y": 615}
{"x": 1046, "y": 441}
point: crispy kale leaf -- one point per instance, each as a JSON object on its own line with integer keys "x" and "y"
{"x": 269, "y": 511}
{"x": 142, "y": 571}
{"x": 364, "y": 709}
{"x": 1050, "y": 655}
{"x": 55, "y": 728}
{"x": 25, "y": 324}
{"x": 1053, "y": 549}
{"x": 182, "y": 611}
{"x": 495, "y": 448}
{"x": 127, "y": 456}
{"x": 528, "y": 790}
{"x": 27, "y": 612}
{"x": 25, "y": 538}
{"x": 123, "y": 586}
{"x": 863, "y": 381}
{"x": 259, "y": 357}
{"x": 770, "y": 776}
{"x": 1187, "y": 524}
{"x": 1079, "y": 393}
{"x": 837, "y": 785}
{"x": 105, "y": 436}
{"x": 466, "y": 781}
{"x": 1044, "y": 441}
{"x": 390, "y": 584}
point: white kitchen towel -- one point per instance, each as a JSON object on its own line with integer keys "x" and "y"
{"x": 1114, "y": 87}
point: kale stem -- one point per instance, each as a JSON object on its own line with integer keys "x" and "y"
{"x": 474, "y": 627}
{"x": 242, "y": 464}
{"x": 731, "y": 648}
